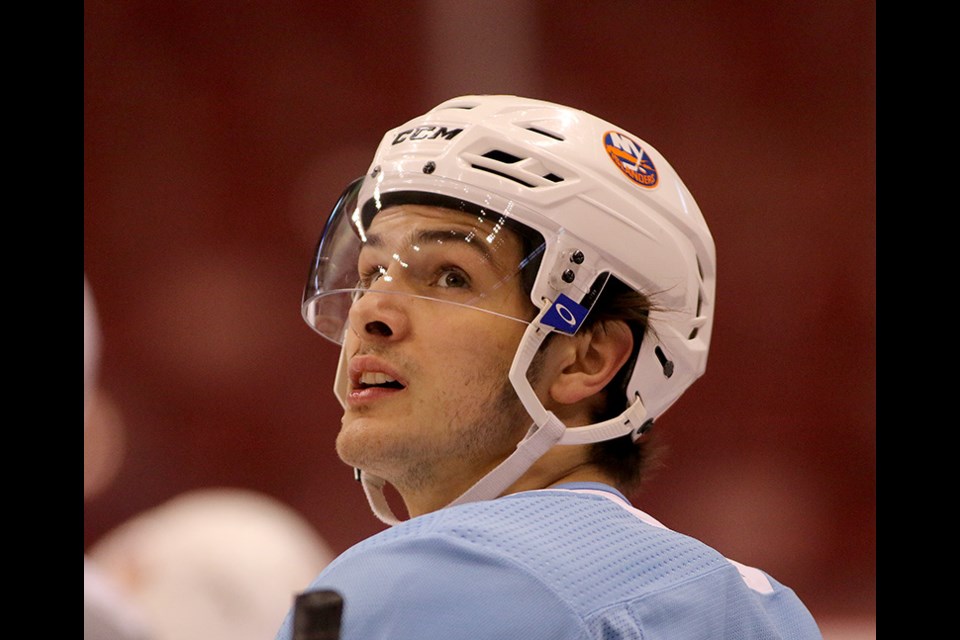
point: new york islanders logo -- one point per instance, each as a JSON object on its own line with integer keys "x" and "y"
{"x": 631, "y": 159}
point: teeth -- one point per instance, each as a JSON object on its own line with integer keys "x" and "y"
{"x": 375, "y": 377}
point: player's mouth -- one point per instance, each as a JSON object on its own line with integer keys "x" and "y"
{"x": 371, "y": 379}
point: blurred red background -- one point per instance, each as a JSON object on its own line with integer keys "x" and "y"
{"x": 218, "y": 134}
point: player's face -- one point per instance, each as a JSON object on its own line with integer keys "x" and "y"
{"x": 429, "y": 401}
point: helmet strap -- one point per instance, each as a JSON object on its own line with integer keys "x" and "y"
{"x": 373, "y": 488}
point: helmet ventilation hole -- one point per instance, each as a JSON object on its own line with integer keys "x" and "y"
{"x": 543, "y": 132}
{"x": 460, "y": 105}
{"x": 501, "y": 156}
{"x": 518, "y": 174}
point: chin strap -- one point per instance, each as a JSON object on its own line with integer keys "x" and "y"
{"x": 373, "y": 488}
{"x": 547, "y": 430}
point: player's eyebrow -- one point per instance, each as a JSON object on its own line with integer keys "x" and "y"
{"x": 417, "y": 237}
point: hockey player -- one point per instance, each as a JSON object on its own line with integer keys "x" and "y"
{"x": 520, "y": 289}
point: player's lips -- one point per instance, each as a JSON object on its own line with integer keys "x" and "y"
{"x": 371, "y": 378}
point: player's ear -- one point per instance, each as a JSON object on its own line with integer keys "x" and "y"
{"x": 590, "y": 360}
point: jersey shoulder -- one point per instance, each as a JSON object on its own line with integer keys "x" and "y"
{"x": 551, "y": 564}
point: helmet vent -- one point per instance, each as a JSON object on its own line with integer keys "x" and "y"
{"x": 501, "y": 156}
{"x": 460, "y": 105}
{"x": 700, "y": 294}
{"x": 544, "y": 132}
{"x": 520, "y": 170}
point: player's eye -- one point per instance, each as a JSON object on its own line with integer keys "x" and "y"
{"x": 452, "y": 278}
{"x": 371, "y": 274}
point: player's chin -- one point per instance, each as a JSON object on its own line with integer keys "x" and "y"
{"x": 362, "y": 439}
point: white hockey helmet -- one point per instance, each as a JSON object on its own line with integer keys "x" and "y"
{"x": 605, "y": 202}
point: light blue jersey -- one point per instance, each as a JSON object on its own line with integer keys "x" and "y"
{"x": 571, "y": 562}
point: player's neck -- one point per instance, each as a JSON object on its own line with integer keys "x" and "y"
{"x": 562, "y": 464}
{"x": 565, "y": 466}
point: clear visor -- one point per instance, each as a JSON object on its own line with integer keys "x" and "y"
{"x": 426, "y": 247}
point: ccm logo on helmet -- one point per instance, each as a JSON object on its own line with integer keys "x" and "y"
{"x": 630, "y": 158}
{"x": 426, "y": 132}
